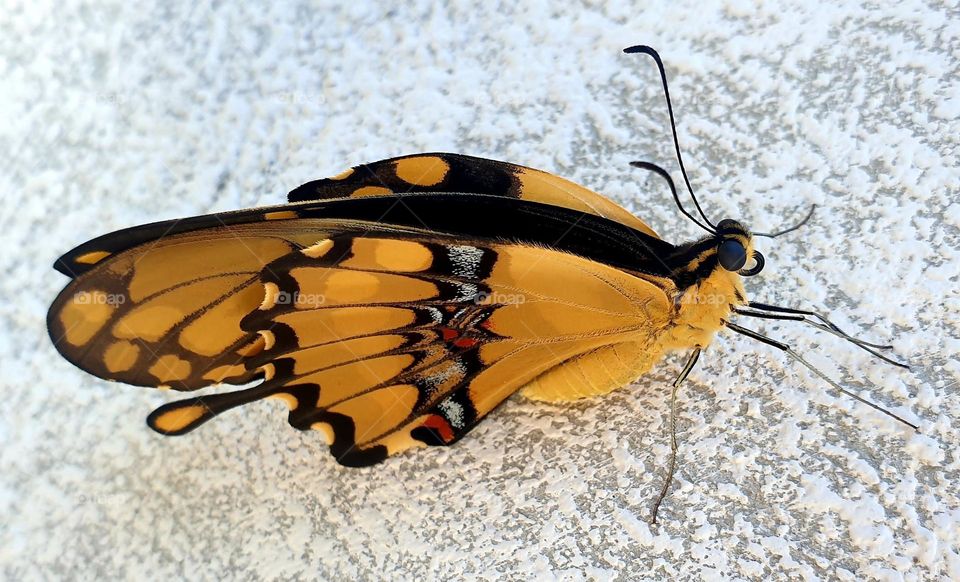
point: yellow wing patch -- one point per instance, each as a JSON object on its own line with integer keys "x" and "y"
{"x": 372, "y": 191}
{"x": 551, "y": 189}
{"x": 84, "y": 314}
{"x": 280, "y": 215}
{"x": 179, "y": 418}
{"x": 421, "y": 170}
{"x": 92, "y": 258}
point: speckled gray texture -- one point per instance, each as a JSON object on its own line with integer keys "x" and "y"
{"x": 113, "y": 114}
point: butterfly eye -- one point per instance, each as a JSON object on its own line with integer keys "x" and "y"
{"x": 732, "y": 255}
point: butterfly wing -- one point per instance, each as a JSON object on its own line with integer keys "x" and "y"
{"x": 386, "y": 340}
{"x": 457, "y": 173}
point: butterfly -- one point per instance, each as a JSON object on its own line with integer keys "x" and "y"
{"x": 397, "y": 304}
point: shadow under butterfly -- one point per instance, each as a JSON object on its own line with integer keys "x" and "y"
{"x": 396, "y": 304}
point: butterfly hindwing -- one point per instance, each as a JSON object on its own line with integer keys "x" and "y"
{"x": 457, "y": 173}
{"x": 384, "y": 341}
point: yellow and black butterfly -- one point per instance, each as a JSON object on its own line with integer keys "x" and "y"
{"x": 398, "y": 303}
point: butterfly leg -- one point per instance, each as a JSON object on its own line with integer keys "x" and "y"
{"x": 799, "y": 359}
{"x": 765, "y": 311}
{"x": 691, "y": 362}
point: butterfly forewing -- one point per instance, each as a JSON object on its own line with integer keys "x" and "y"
{"x": 457, "y": 173}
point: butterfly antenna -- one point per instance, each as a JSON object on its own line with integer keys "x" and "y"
{"x": 798, "y": 358}
{"x": 673, "y": 125}
{"x": 791, "y": 229}
{"x": 673, "y": 188}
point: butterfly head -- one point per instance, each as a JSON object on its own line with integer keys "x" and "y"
{"x": 735, "y": 247}
{"x": 707, "y": 274}
{"x": 708, "y": 271}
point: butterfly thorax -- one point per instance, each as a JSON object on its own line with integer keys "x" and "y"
{"x": 701, "y": 310}
{"x": 708, "y": 286}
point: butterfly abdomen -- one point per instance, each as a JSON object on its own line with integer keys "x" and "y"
{"x": 595, "y": 373}
{"x": 697, "y": 315}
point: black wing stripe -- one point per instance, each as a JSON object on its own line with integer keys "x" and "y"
{"x": 490, "y": 218}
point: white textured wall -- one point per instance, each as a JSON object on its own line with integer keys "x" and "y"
{"x": 113, "y": 114}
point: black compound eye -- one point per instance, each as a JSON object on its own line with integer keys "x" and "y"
{"x": 732, "y": 255}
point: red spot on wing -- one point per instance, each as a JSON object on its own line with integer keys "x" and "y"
{"x": 449, "y": 333}
{"x": 439, "y": 425}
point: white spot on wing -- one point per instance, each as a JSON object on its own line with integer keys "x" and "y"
{"x": 465, "y": 260}
{"x": 444, "y": 373}
{"x": 467, "y": 292}
{"x": 435, "y": 314}
{"x": 453, "y": 411}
